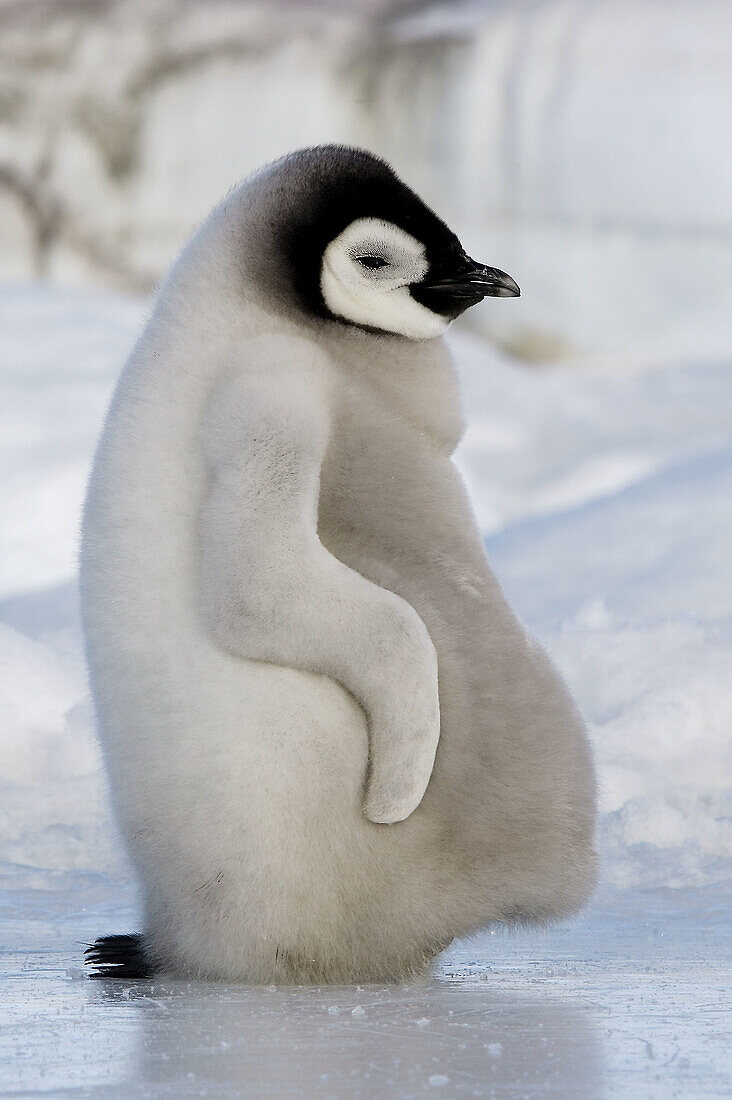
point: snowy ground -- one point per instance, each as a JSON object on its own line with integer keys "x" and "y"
{"x": 606, "y": 496}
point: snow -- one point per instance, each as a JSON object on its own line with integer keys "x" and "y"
{"x": 606, "y": 497}
{"x": 605, "y": 494}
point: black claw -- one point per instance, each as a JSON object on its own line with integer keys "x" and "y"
{"x": 119, "y": 957}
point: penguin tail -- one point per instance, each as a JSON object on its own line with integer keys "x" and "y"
{"x": 122, "y": 956}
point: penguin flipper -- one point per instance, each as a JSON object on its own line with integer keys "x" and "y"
{"x": 120, "y": 956}
{"x": 272, "y": 591}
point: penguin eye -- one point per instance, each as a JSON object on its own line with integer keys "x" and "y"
{"x": 372, "y": 262}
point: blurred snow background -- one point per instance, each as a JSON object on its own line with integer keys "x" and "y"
{"x": 578, "y": 144}
{"x": 582, "y": 144}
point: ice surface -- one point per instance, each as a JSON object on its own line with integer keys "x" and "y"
{"x": 629, "y": 1002}
{"x": 606, "y": 498}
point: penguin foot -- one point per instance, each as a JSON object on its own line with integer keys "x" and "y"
{"x": 122, "y": 956}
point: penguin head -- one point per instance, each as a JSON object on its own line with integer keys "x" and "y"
{"x": 363, "y": 249}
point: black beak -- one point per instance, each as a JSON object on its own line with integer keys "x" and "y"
{"x": 450, "y": 295}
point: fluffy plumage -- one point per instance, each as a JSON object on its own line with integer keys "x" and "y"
{"x": 279, "y": 561}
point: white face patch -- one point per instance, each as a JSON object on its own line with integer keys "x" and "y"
{"x": 365, "y": 278}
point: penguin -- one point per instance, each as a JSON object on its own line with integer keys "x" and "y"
{"x": 331, "y": 746}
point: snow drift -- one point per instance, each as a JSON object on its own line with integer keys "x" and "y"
{"x": 606, "y": 498}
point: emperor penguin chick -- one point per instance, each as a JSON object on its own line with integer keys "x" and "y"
{"x": 331, "y": 745}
